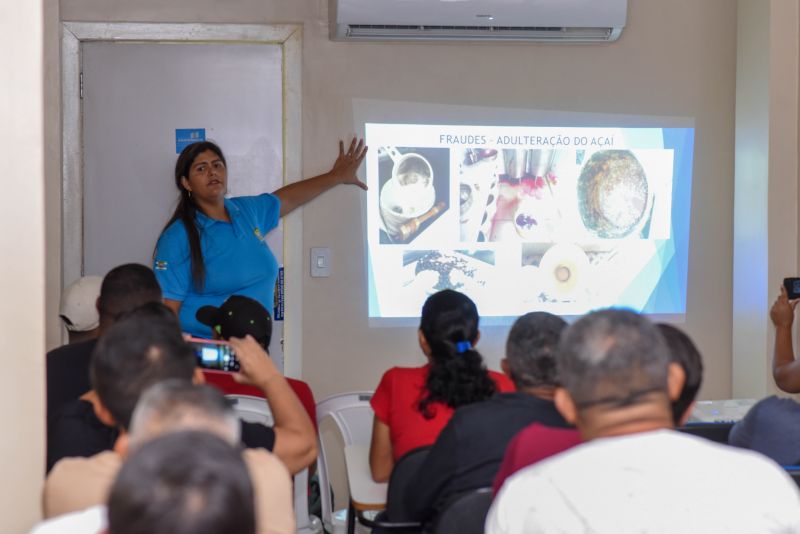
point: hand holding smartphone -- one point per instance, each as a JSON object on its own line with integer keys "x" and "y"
{"x": 214, "y": 354}
{"x": 792, "y": 286}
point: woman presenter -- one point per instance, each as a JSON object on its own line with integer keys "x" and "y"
{"x": 214, "y": 247}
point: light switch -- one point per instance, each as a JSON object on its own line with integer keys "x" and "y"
{"x": 320, "y": 262}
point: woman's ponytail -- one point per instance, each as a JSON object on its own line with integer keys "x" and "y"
{"x": 457, "y": 374}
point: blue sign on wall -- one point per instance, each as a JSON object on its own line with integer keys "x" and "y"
{"x": 186, "y": 136}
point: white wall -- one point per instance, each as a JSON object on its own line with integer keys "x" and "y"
{"x": 22, "y": 274}
{"x": 766, "y": 192}
{"x": 674, "y": 58}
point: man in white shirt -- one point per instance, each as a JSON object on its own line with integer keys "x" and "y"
{"x": 636, "y": 474}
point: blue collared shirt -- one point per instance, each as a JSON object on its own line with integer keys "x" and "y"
{"x": 237, "y": 259}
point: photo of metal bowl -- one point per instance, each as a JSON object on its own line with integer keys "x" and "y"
{"x": 613, "y": 194}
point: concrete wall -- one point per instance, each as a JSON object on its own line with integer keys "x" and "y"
{"x": 675, "y": 58}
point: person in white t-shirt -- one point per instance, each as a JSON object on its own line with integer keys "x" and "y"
{"x": 634, "y": 473}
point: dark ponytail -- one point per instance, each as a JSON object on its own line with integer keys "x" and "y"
{"x": 186, "y": 211}
{"x": 457, "y": 374}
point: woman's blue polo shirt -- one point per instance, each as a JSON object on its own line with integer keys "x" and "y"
{"x": 237, "y": 259}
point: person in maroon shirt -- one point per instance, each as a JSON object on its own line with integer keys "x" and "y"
{"x": 537, "y": 442}
{"x": 412, "y": 405}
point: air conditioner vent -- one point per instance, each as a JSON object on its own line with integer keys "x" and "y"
{"x": 478, "y": 20}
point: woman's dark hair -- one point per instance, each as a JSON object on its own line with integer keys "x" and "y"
{"x": 186, "y": 211}
{"x": 457, "y": 374}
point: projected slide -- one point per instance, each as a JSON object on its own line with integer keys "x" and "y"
{"x": 564, "y": 220}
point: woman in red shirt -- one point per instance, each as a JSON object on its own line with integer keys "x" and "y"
{"x": 413, "y": 404}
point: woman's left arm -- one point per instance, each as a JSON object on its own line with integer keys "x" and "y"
{"x": 294, "y": 195}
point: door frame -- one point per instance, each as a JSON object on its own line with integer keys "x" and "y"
{"x": 288, "y": 37}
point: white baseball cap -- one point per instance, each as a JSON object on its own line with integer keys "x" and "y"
{"x": 79, "y": 304}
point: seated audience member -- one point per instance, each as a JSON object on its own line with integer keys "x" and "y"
{"x": 241, "y": 316}
{"x": 469, "y": 450}
{"x": 143, "y": 349}
{"x": 296, "y": 444}
{"x": 78, "y": 309}
{"x": 183, "y": 482}
{"x": 785, "y": 369}
{"x": 634, "y": 473}
{"x": 73, "y": 429}
{"x": 538, "y": 442}
{"x": 771, "y": 427}
{"x": 413, "y": 404}
{"x": 180, "y": 405}
{"x": 683, "y": 352}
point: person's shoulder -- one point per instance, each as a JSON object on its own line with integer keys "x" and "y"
{"x": 92, "y": 519}
{"x": 264, "y": 200}
{"x": 482, "y": 408}
{"x": 82, "y": 347}
{"x": 775, "y": 406}
{"x": 106, "y": 461}
{"x": 503, "y": 383}
{"x": 405, "y": 375}
{"x": 265, "y": 463}
{"x": 78, "y": 409}
{"x": 76, "y": 483}
{"x": 174, "y": 233}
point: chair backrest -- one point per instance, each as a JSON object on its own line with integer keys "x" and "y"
{"x": 251, "y": 409}
{"x": 223, "y": 381}
{"x": 714, "y": 431}
{"x": 402, "y": 474}
{"x": 353, "y": 417}
{"x": 464, "y": 513}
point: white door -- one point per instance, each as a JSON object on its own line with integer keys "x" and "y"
{"x": 135, "y": 97}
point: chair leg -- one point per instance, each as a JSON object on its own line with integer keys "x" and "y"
{"x": 351, "y": 518}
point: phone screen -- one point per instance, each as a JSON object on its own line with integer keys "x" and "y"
{"x": 217, "y": 356}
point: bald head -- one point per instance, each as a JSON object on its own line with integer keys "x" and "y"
{"x": 614, "y": 358}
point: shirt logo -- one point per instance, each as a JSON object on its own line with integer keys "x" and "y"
{"x": 161, "y": 265}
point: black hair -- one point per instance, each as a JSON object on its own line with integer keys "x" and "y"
{"x": 141, "y": 349}
{"x": 531, "y": 349}
{"x": 683, "y": 352}
{"x": 613, "y": 357}
{"x": 183, "y": 483}
{"x": 457, "y": 374}
{"x": 186, "y": 210}
{"x": 127, "y": 287}
{"x": 156, "y": 310}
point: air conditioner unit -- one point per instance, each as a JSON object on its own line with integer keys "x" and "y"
{"x": 477, "y": 20}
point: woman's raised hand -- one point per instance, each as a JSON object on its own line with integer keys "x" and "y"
{"x": 348, "y": 162}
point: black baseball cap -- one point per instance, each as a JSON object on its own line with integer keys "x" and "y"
{"x": 237, "y": 317}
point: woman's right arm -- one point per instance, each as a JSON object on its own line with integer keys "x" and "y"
{"x": 381, "y": 461}
{"x": 381, "y": 457}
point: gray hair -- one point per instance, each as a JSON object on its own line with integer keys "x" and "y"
{"x": 175, "y": 405}
{"x": 612, "y": 357}
{"x": 531, "y": 349}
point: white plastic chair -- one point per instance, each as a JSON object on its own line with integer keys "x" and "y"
{"x": 353, "y": 416}
{"x": 256, "y": 410}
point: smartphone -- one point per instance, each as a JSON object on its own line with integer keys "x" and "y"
{"x": 214, "y": 354}
{"x": 792, "y": 286}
